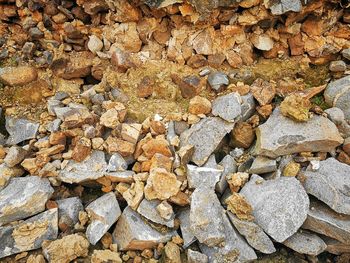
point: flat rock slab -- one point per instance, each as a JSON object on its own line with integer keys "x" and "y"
{"x": 316, "y": 135}
{"x": 20, "y": 130}
{"x": 280, "y": 7}
{"x": 68, "y": 211}
{"x": 29, "y": 234}
{"x": 228, "y": 107}
{"x": 92, "y": 168}
{"x": 280, "y": 206}
{"x": 148, "y": 209}
{"x": 103, "y": 213}
{"x": 330, "y": 184}
{"x": 133, "y": 233}
{"x": 121, "y": 176}
{"x": 202, "y": 177}
{"x": 24, "y": 197}
{"x": 306, "y": 243}
{"x": 205, "y": 136}
{"x": 185, "y": 226}
{"x": 323, "y": 220}
{"x": 263, "y": 165}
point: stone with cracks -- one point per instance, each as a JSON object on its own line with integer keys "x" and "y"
{"x": 202, "y": 177}
{"x": 218, "y": 80}
{"x": 316, "y": 135}
{"x": 228, "y": 107}
{"x": 185, "y": 226}
{"x": 148, "y": 209}
{"x": 205, "y": 136}
{"x": 133, "y": 233}
{"x": 14, "y": 156}
{"x": 280, "y": 206}
{"x": 92, "y": 168}
{"x": 24, "y": 197}
{"x": 305, "y": 242}
{"x": 68, "y": 211}
{"x": 330, "y": 184}
{"x": 280, "y": 7}
{"x": 20, "y": 130}
{"x": 29, "y": 234}
{"x": 196, "y": 257}
{"x": 103, "y": 213}
{"x": 254, "y": 235}
{"x": 116, "y": 163}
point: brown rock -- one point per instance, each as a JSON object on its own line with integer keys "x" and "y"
{"x": 180, "y": 199}
{"x": 122, "y": 60}
{"x": 157, "y": 145}
{"x": 145, "y": 87}
{"x": 216, "y": 60}
{"x": 131, "y": 132}
{"x": 263, "y": 91}
{"x": 157, "y": 127}
{"x": 344, "y": 157}
{"x": 18, "y": 76}
{"x": 243, "y": 135}
{"x": 134, "y": 195}
{"x": 234, "y": 59}
{"x": 265, "y": 111}
{"x": 189, "y": 86}
{"x": 296, "y": 45}
{"x": 312, "y": 26}
{"x": 105, "y": 256}
{"x": 160, "y": 161}
{"x": 346, "y": 145}
{"x": 197, "y": 61}
{"x": 120, "y": 146}
{"x": 199, "y": 105}
{"x": 296, "y": 107}
{"x": 239, "y": 206}
{"x": 172, "y": 253}
{"x": 110, "y": 118}
{"x": 291, "y": 169}
{"x": 81, "y": 150}
{"x": 57, "y": 138}
{"x": 237, "y": 180}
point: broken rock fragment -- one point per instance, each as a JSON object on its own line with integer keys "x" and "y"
{"x": 280, "y": 7}
{"x": 262, "y": 165}
{"x": 20, "y": 130}
{"x": 14, "y": 156}
{"x": 185, "y": 226}
{"x": 105, "y": 256}
{"x": 228, "y": 107}
{"x": 68, "y": 210}
{"x": 196, "y": 257}
{"x": 305, "y": 242}
{"x": 218, "y": 81}
{"x": 202, "y": 177}
{"x": 18, "y": 76}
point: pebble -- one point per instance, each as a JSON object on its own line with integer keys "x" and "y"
{"x": 337, "y": 66}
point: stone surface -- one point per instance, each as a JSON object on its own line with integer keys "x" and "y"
{"x": 105, "y": 256}
{"x": 29, "y": 234}
{"x": 283, "y": 6}
{"x": 238, "y": 205}
{"x": 103, "y": 213}
{"x": 172, "y": 253}
{"x": 148, "y": 209}
{"x": 305, "y": 242}
{"x": 121, "y": 176}
{"x": 263, "y": 165}
{"x": 346, "y": 53}
{"x": 316, "y": 135}
{"x": 230, "y": 167}
{"x": 335, "y": 247}
{"x": 199, "y": 105}
{"x": 116, "y": 163}
{"x": 263, "y": 91}
{"x": 228, "y": 107}
{"x": 330, "y": 184}
{"x": 18, "y": 76}
{"x": 68, "y": 211}
{"x": 295, "y": 107}
{"x": 202, "y": 177}
{"x": 205, "y": 136}
{"x": 247, "y": 106}
{"x": 133, "y": 233}
{"x": 185, "y": 226}
{"x": 218, "y": 81}
{"x": 337, "y": 66}
{"x": 23, "y": 197}
{"x": 196, "y": 257}
{"x": 254, "y": 235}
{"x": 262, "y": 42}
{"x": 14, "y": 156}
{"x": 280, "y": 206}
{"x": 243, "y": 135}
{"x": 92, "y": 168}
{"x": 20, "y": 130}
{"x": 94, "y": 44}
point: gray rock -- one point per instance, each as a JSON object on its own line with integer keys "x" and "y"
{"x": 14, "y": 156}
{"x": 161, "y": 3}
{"x": 218, "y": 80}
{"x": 335, "y": 247}
{"x": 230, "y": 166}
{"x": 202, "y": 177}
{"x": 133, "y": 233}
{"x": 211, "y": 162}
{"x": 68, "y": 211}
{"x": 207, "y": 229}
{"x": 346, "y": 53}
{"x": 205, "y": 136}
{"x": 228, "y": 107}
{"x": 148, "y": 209}
{"x": 24, "y": 197}
{"x": 91, "y": 168}
{"x": 121, "y": 176}
{"x": 54, "y": 125}
{"x": 280, "y": 7}
{"x": 343, "y": 102}
{"x": 337, "y": 66}
{"x": 280, "y": 206}
{"x": 234, "y": 249}
{"x": 263, "y": 165}
{"x": 330, "y": 184}
{"x": 185, "y": 226}
{"x": 254, "y": 235}
{"x": 52, "y": 104}
{"x": 196, "y": 257}
{"x": 248, "y": 106}
{"x": 119, "y": 95}
{"x": 103, "y": 213}
{"x": 29, "y": 234}
{"x": 116, "y": 163}
{"x": 336, "y": 115}
{"x": 20, "y": 130}
{"x": 305, "y": 242}
{"x": 316, "y": 135}
{"x": 323, "y": 220}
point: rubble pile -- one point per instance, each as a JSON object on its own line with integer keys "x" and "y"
{"x": 174, "y": 131}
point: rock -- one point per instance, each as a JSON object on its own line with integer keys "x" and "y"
{"x": 66, "y": 249}
{"x": 323, "y": 220}
{"x": 337, "y": 66}
{"x": 280, "y": 206}
{"x": 131, "y": 132}
{"x": 68, "y": 211}
{"x": 189, "y": 85}
{"x": 218, "y": 81}
{"x": 185, "y": 226}
{"x": 29, "y": 234}
{"x": 121, "y": 176}
{"x": 336, "y": 247}
{"x": 307, "y": 243}
{"x": 145, "y": 87}
{"x": 185, "y": 153}
{"x": 20, "y": 130}
{"x": 346, "y": 53}
{"x": 336, "y": 115}
{"x": 291, "y": 169}
{"x": 94, "y": 44}
{"x": 90, "y": 169}
{"x": 263, "y": 91}
{"x": 208, "y": 230}
{"x": 103, "y": 213}
{"x": 148, "y": 209}
{"x": 116, "y": 163}
{"x": 228, "y": 107}
{"x": 161, "y": 3}
{"x": 238, "y": 205}
{"x": 262, "y": 42}
{"x": 199, "y": 105}
{"x": 248, "y": 106}
{"x": 230, "y": 167}
{"x": 157, "y": 145}
{"x": 105, "y": 256}
{"x": 24, "y": 197}
{"x": 205, "y": 136}
{"x": 330, "y": 184}
{"x": 316, "y": 135}
{"x": 243, "y": 135}
{"x": 14, "y": 156}
{"x": 202, "y": 177}
{"x": 296, "y": 107}
{"x": 237, "y": 180}
{"x": 134, "y": 195}
{"x": 254, "y": 235}
{"x": 283, "y": 6}
{"x": 133, "y": 233}
{"x": 165, "y": 210}
{"x": 263, "y": 165}
{"x": 172, "y": 253}
{"x": 110, "y": 118}
{"x": 196, "y": 257}
{"x": 18, "y": 76}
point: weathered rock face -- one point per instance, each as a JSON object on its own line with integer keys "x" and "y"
{"x": 228, "y": 107}
{"x": 29, "y": 234}
{"x": 280, "y": 7}
{"x": 316, "y": 135}
{"x": 205, "y": 136}
{"x": 18, "y": 76}
{"x": 105, "y": 256}
{"x": 202, "y": 177}
{"x": 330, "y": 184}
{"x": 20, "y": 130}
{"x": 263, "y": 165}
{"x": 185, "y": 226}
{"x": 24, "y": 197}
{"x": 148, "y": 209}
{"x": 196, "y": 257}
{"x": 280, "y": 206}
{"x": 68, "y": 210}
{"x": 306, "y": 243}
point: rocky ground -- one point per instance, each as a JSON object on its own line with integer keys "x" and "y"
{"x": 174, "y": 131}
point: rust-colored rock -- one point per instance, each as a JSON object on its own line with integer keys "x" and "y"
{"x": 199, "y": 105}
{"x": 243, "y": 135}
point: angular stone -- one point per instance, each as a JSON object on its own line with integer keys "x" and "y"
{"x": 323, "y": 220}
{"x": 165, "y": 210}
{"x": 105, "y": 256}
{"x": 121, "y": 176}
{"x": 14, "y": 156}
{"x": 23, "y": 197}
{"x": 263, "y": 165}
{"x": 330, "y": 184}
{"x": 68, "y": 212}
{"x": 262, "y": 42}
{"x": 316, "y": 135}
{"x": 346, "y": 53}
{"x": 116, "y": 163}
{"x": 133, "y": 233}
{"x": 29, "y": 234}
{"x": 305, "y": 242}
{"x": 103, "y": 213}
{"x": 230, "y": 167}
{"x": 218, "y": 80}
{"x": 335, "y": 247}
{"x": 228, "y": 107}
{"x": 199, "y": 105}
{"x": 254, "y": 235}
{"x": 92, "y": 168}
{"x": 20, "y": 130}
{"x": 280, "y": 206}
{"x": 337, "y": 66}
{"x": 205, "y": 136}
{"x": 185, "y": 226}
{"x": 283, "y": 6}
{"x": 148, "y": 209}
{"x": 248, "y": 106}
{"x": 18, "y": 76}
{"x": 196, "y": 257}
{"x": 202, "y": 177}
